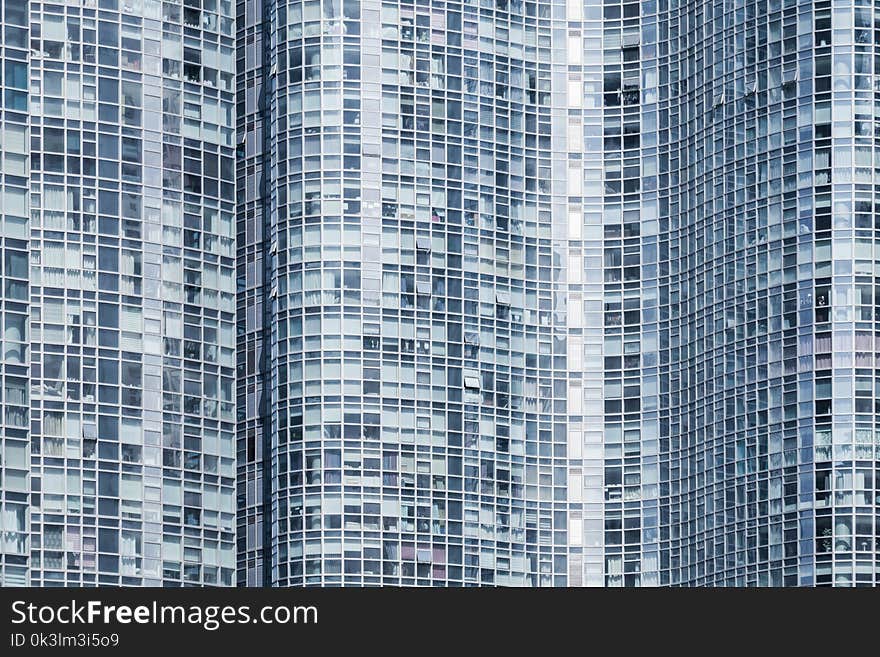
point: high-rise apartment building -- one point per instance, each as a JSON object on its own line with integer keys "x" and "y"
{"x": 406, "y": 297}
{"x": 533, "y": 293}
{"x": 118, "y": 356}
{"x": 559, "y": 293}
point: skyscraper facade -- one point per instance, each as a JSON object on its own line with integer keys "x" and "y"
{"x": 118, "y": 293}
{"x": 389, "y": 292}
{"x": 738, "y": 222}
{"x": 562, "y": 293}
{"x": 764, "y": 332}
{"x": 409, "y": 422}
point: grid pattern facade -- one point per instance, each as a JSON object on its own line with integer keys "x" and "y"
{"x": 491, "y": 292}
{"x": 253, "y": 179}
{"x": 675, "y": 200}
{"x": 418, "y": 334}
{"x": 15, "y": 352}
{"x": 766, "y": 340}
{"x": 119, "y": 298}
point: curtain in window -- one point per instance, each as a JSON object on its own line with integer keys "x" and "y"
{"x": 312, "y": 283}
{"x": 332, "y": 55}
{"x": 172, "y": 291}
{"x": 54, "y": 197}
{"x": 171, "y": 213}
{"x": 331, "y": 283}
{"x": 128, "y": 546}
{"x": 129, "y": 262}
{"x": 129, "y": 285}
{"x": 130, "y": 488}
{"x": 311, "y": 11}
{"x": 53, "y": 446}
{"x": 53, "y": 424}
{"x": 53, "y": 254}
{"x": 227, "y": 302}
{"x": 73, "y": 541}
{"x": 53, "y": 277}
{"x": 14, "y": 329}
{"x": 16, "y": 392}
{"x": 14, "y": 139}
{"x": 390, "y": 282}
{"x": 53, "y": 220}
{"x": 16, "y": 416}
{"x": 864, "y": 347}
{"x": 130, "y": 431}
{"x": 13, "y": 518}
{"x": 130, "y": 341}
{"x": 209, "y": 298}
{"x": 14, "y": 201}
